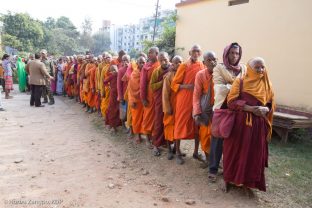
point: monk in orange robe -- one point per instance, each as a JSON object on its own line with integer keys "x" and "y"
{"x": 134, "y": 99}
{"x": 156, "y": 85}
{"x": 67, "y": 66}
{"x": 90, "y": 75}
{"x": 81, "y": 63}
{"x": 183, "y": 85}
{"x": 98, "y": 82}
{"x": 85, "y": 83}
{"x": 126, "y": 78}
{"x": 203, "y": 100}
{"x": 169, "y": 104}
{"x": 69, "y": 81}
{"x": 146, "y": 93}
{"x": 105, "y": 89}
{"x": 81, "y": 77}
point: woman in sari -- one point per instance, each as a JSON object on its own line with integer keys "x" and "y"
{"x": 20, "y": 65}
{"x": 245, "y": 152}
{"x": 59, "y": 77}
{"x": 8, "y": 75}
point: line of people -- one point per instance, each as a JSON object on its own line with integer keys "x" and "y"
{"x": 172, "y": 100}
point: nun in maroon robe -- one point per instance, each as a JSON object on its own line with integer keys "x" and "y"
{"x": 245, "y": 152}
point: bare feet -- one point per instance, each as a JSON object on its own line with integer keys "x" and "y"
{"x": 156, "y": 151}
{"x": 248, "y": 192}
{"x": 170, "y": 155}
{"x": 148, "y": 144}
{"x": 138, "y": 139}
{"x": 204, "y": 165}
{"x": 198, "y": 156}
{"x": 130, "y": 137}
{"x": 179, "y": 160}
{"x": 225, "y": 187}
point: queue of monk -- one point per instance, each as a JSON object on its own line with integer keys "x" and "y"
{"x": 167, "y": 100}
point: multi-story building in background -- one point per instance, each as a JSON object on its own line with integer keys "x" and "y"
{"x": 131, "y": 36}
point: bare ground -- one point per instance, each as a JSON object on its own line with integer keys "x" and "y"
{"x": 60, "y": 156}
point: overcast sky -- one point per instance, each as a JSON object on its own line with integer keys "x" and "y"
{"x": 118, "y": 11}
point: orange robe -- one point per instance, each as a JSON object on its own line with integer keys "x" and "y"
{"x": 184, "y": 127}
{"x": 203, "y": 81}
{"x": 98, "y": 85}
{"x": 91, "y": 95}
{"x": 80, "y": 77}
{"x": 105, "y": 89}
{"x": 134, "y": 97}
{"x": 146, "y": 93}
{"x": 71, "y": 81}
{"x": 67, "y": 78}
{"x": 169, "y": 106}
{"x": 126, "y": 78}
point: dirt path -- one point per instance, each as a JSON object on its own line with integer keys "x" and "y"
{"x": 60, "y": 156}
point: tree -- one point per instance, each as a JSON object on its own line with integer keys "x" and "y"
{"x": 12, "y": 41}
{"x": 101, "y": 42}
{"x": 28, "y": 31}
{"x": 61, "y": 36}
{"x": 166, "y": 40}
{"x": 86, "y": 40}
{"x": 50, "y": 23}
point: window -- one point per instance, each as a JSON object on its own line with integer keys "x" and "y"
{"x": 237, "y": 2}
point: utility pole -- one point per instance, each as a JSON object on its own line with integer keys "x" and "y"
{"x": 155, "y": 21}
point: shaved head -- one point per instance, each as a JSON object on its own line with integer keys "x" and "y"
{"x": 209, "y": 54}
{"x": 163, "y": 54}
{"x": 126, "y": 57}
{"x": 195, "y": 53}
{"x": 141, "y": 61}
{"x": 210, "y": 60}
{"x": 142, "y": 54}
{"x": 196, "y": 47}
{"x": 177, "y": 59}
{"x": 152, "y": 54}
{"x": 154, "y": 49}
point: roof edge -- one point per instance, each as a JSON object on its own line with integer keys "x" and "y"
{"x": 187, "y": 2}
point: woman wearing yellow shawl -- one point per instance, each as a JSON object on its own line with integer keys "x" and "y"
{"x": 245, "y": 152}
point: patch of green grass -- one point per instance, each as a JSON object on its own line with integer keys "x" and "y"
{"x": 290, "y": 172}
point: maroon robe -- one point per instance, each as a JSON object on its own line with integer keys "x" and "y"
{"x": 158, "y": 137}
{"x": 112, "y": 114}
{"x": 245, "y": 152}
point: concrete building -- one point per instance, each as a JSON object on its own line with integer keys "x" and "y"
{"x": 280, "y": 31}
{"x": 131, "y": 36}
